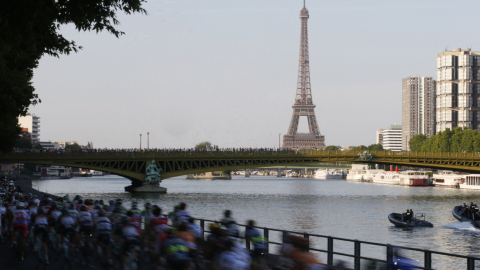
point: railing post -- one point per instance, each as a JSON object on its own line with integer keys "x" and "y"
{"x": 470, "y": 264}
{"x": 357, "y": 255}
{"x": 307, "y": 236}
{"x": 389, "y": 255}
{"x": 265, "y": 234}
{"x": 428, "y": 259}
{"x": 330, "y": 251}
{"x": 202, "y": 225}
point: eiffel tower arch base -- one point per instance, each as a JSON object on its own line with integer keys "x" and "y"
{"x": 303, "y": 141}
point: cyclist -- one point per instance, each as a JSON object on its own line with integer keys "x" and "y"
{"x": 36, "y": 200}
{"x": 67, "y": 225}
{"x": 300, "y": 255}
{"x": 230, "y": 260}
{"x": 20, "y": 223}
{"x": 177, "y": 251}
{"x": 259, "y": 242}
{"x": 72, "y": 212}
{"x": 41, "y": 230}
{"x": 103, "y": 229}
{"x": 85, "y": 221}
{"x": 157, "y": 230}
{"x": 229, "y": 223}
{"x": 182, "y": 214}
{"x": 131, "y": 238}
{"x": 10, "y": 205}
{"x": 117, "y": 220}
{"x": 136, "y": 213}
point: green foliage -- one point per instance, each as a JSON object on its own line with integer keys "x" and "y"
{"x": 203, "y": 145}
{"x": 23, "y": 143}
{"x": 417, "y": 142}
{"x": 331, "y": 148}
{"x": 30, "y": 29}
{"x": 375, "y": 147}
{"x": 38, "y": 146}
{"x": 361, "y": 147}
{"x": 74, "y": 146}
{"x": 457, "y": 140}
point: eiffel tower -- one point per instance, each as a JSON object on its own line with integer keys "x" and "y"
{"x": 303, "y": 100}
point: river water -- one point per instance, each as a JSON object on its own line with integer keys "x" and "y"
{"x": 335, "y": 207}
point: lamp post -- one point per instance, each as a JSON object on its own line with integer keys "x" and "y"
{"x": 148, "y": 140}
{"x": 140, "y": 142}
{"x": 279, "y": 140}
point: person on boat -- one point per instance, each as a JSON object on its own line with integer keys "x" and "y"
{"x": 465, "y": 210}
{"x": 472, "y": 208}
{"x": 411, "y": 215}
{"x": 407, "y": 216}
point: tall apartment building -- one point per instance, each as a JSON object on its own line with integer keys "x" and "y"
{"x": 392, "y": 138}
{"x": 458, "y": 89}
{"x": 32, "y": 123}
{"x": 418, "y": 108}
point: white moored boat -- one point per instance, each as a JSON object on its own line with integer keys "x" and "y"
{"x": 97, "y": 173}
{"x": 414, "y": 178}
{"x": 368, "y": 176}
{"x": 472, "y": 181}
{"x": 390, "y": 178}
{"x": 448, "y": 179}
{"x": 357, "y": 172}
{"x": 328, "y": 174}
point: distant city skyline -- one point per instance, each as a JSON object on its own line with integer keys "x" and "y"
{"x": 226, "y": 71}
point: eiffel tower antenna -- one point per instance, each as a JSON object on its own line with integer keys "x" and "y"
{"x": 303, "y": 105}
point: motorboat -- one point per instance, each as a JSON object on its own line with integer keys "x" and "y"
{"x": 368, "y": 176}
{"x": 448, "y": 179}
{"x": 457, "y": 213}
{"x": 357, "y": 173}
{"x": 414, "y": 178}
{"x": 389, "y": 178}
{"x": 328, "y": 174}
{"x": 397, "y": 220}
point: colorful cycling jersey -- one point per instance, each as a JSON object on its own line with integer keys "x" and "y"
{"x": 47, "y": 207}
{"x": 117, "y": 219}
{"x": 103, "y": 224}
{"x": 159, "y": 224}
{"x": 182, "y": 216}
{"x": 21, "y": 216}
{"x": 55, "y": 214}
{"x": 33, "y": 210}
{"x": 73, "y": 213}
{"x": 67, "y": 221}
{"x": 129, "y": 231}
{"x": 41, "y": 221}
{"x": 147, "y": 215}
{"x": 136, "y": 213}
{"x": 85, "y": 219}
{"x": 36, "y": 201}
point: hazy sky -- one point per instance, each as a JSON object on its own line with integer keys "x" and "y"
{"x": 226, "y": 71}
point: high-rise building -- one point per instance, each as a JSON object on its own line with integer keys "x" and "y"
{"x": 32, "y": 123}
{"x": 458, "y": 89}
{"x": 418, "y": 108}
{"x": 392, "y": 138}
{"x": 380, "y": 136}
{"x": 303, "y": 99}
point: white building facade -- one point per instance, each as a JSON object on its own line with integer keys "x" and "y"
{"x": 32, "y": 123}
{"x": 458, "y": 89}
{"x": 392, "y": 138}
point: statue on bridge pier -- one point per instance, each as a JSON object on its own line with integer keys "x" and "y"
{"x": 153, "y": 174}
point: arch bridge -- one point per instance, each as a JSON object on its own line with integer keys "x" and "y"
{"x": 132, "y": 165}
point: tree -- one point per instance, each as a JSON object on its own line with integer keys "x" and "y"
{"x": 74, "y": 146}
{"x": 417, "y": 142}
{"x": 30, "y": 29}
{"x": 375, "y": 147}
{"x": 331, "y": 148}
{"x": 361, "y": 147}
{"x": 203, "y": 145}
{"x": 23, "y": 143}
{"x": 38, "y": 146}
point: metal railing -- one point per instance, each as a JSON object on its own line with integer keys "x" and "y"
{"x": 357, "y": 248}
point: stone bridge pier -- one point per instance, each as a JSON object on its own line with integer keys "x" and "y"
{"x": 141, "y": 187}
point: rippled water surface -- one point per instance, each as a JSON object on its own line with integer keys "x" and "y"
{"x": 337, "y": 208}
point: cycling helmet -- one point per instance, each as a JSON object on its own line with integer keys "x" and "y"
{"x": 111, "y": 202}
{"x": 34, "y": 196}
{"x": 101, "y": 202}
{"x": 71, "y": 206}
{"x": 148, "y": 205}
{"x": 227, "y": 213}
